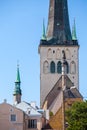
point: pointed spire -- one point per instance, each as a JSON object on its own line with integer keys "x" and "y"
{"x": 58, "y": 21}
{"x": 44, "y": 34}
{"x": 17, "y": 89}
{"x": 18, "y": 74}
{"x": 74, "y": 37}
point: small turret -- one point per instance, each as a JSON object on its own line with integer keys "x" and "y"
{"x": 74, "y": 37}
{"x": 44, "y": 34}
{"x": 17, "y": 91}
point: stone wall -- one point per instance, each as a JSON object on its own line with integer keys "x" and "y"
{"x": 54, "y": 53}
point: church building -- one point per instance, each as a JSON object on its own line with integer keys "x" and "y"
{"x": 59, "y": 65}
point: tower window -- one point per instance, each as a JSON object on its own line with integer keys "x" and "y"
{"x": 52, "y": 67}
{"x": 58, "y": 54}
{"x": 59, "y": 67}
{"x": 46, "y": 67}
{"x": 53, "y": 51}
{"x": 49, "y": 54}
{"x": 68, "y": 54}
{"x": 72, "y": 67}
{"x": 66, "y": 67}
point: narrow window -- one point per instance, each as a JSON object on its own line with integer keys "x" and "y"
{"x": 32, "y": 123}
{"x": 73, "y": 67}
{"x": 66, "y": 67}
{"x": 46, "y": 67}
{"x": 59, "y": 67}
{"x": 68, "y": 54}
{"x": 52, "y": 67}
{"x": 58, "y": 54}
{"x": 49, "y": 54}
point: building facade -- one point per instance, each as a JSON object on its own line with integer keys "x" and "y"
{"x": 23, "y": 116}
{"x": 11, "y": 118}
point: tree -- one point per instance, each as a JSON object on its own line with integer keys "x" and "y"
{"x": 76, "y": 116}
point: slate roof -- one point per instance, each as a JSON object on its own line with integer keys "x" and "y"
{"x": 69, "y": 92}
{"x": 72, "y": 93}
{"x": 28, "y": 109}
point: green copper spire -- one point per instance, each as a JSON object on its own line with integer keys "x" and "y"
{"x": 17, "y": 89}
{"x": 18, "y": 74}
{"x": 74, "y": 37}
{"x": 44, "y": 34}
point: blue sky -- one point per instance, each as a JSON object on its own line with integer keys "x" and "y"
{"x": 20, "y": 33}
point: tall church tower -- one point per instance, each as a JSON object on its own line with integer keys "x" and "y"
{"x": 17, "y": 91}
{"x": 57, "y": 39}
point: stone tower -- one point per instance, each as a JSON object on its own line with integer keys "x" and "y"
{"x": 17, "y": 91}
{"x": 57, "y": 39}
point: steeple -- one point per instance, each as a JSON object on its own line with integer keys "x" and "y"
{"x": 74, "y": 37}
{"x": 44, "y": 34}
{"x": 17, "y": 91}
{"x": 58, "y": 29}
{"x": 58, "y": 21}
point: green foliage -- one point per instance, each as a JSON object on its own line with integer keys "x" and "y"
{"x": 51, "y": 113}
{"x": 77, "y": 116}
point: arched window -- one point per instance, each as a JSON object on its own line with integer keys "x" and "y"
{"x": 68, "y": 54}
{"x": 49, "y": 54}
{"x": 52, "y": 67}
{"x": 58, "y": 54}
{"x": 72, "y": 67}
{"x": 59, "y": 67}
{"x": 46, "y": 67}
{"x": 66, "y": 67}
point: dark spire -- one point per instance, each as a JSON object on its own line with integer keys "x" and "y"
{"x": 58, "y": 29}
{"x": 58, "y": 21}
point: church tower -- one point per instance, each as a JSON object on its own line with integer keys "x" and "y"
{"x": 17, "y": 91}
{"x": 57, "y": 39}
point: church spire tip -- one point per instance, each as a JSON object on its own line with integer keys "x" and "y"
{"x": 18, "y": 74}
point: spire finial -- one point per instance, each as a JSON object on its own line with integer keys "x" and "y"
{"x": 74, "y": 37}
{"x": 18, "y": 73}
{"x": 17, "y": 63}
{"x": 44, "y": 34}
